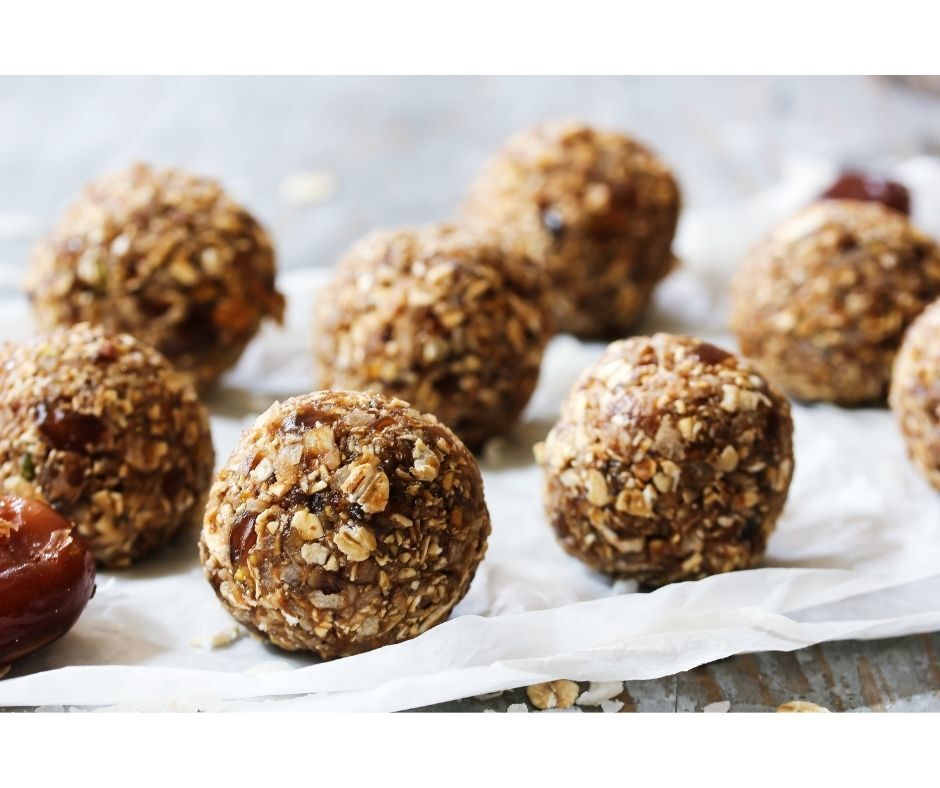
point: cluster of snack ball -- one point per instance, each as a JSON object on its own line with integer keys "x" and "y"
{"x": 352, "y": 517}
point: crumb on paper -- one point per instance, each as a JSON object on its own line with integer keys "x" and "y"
{"x": 307, "y": 188}
{"x": 559, "y": 694}
{"x": 495, "y": 449}
{"x": 611, "y": 706}
{"x": 719, "y": 706}
{"x": 600, "y": 691}
{"x": 801, "y": 706}
{"x": 517, "y": 708}
{"x": 221, "y": 639}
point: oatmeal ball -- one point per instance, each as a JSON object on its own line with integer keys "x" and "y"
{"x": 671, "y": 461}
{"x": 436, "y": 316}
{"x": 343, "y": 522}
{"x": 915, "y": 392}
{"x": 596, "y": 209}
{"x": 101, "y": 427}
{"x": 164, "y": 256}
{"x": 821, "y": 304}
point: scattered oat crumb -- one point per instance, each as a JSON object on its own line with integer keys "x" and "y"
{"x": 719, "y": 706}
{"x": 220, "y": 639}
{"x": 517, "y": 708}
{"x": 560, "y": 694}
{"x": 611, "y": 706}
{"x": 307, "y": 188}
{"x": 598, "y": 692}
{"x": 494, "y": 450}
{"x": 802, "y": 706}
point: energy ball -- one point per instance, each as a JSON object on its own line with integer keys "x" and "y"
{"x": 671, "y": 461}
{"x": 343, "y": 522}
{"x": 915, "y": 392}
{"x": 164, "y": 256}
{"x": 439, "y": 317}
{"x": 821, "y": 304}
{"x": 596, "y": 209}
{"x": 101, "y": 427}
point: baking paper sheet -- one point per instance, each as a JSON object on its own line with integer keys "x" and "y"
{"x": 856, "y": 554}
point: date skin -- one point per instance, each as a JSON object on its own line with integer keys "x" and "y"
{"x": 852, "y": 185}
{"x": 47, "y": 576}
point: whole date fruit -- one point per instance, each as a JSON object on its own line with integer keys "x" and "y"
{"x": 852, "y": 185}
{"x": 47, "y": 576}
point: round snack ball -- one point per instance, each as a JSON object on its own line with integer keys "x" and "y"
{"x": 101, "y": 427}
{"x": 438, "y": 317}
{"x": 821, "y": 304}
{"x": 343, "y": 522}
{"x": 671, "y": 461}
{"x": 915, "y": 392}
{"x": 164, "y": 256}
{"x": 596, "y": 209}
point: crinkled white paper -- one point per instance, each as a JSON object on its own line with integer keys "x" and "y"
{"x": 856, "y": 554}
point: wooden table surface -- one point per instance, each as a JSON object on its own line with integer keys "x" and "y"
{"x": 388, "y": 151}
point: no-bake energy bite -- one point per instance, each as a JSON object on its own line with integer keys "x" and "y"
{"x": 344, "y": 521}
{"x": 436, "y": 316}
{"x": 165, "y": 256}
{"x": 821, "y": 304}
{"x": 101, "y": 427}
{"x": 595, "y": 209}
{"x": 671, "y": 461}
{"x": 915, "y": 392}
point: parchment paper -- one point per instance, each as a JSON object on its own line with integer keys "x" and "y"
{"x": 856, "y": 553}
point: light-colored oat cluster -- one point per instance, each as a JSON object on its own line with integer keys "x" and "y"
{"x": 164, "y": 256}
{"x": 595, "y": 209}
{"x": 438, "y": 317}
{"x": 344, "y": 521}
{"x": 822, "y": 303}
{"x": 915, "y": 392}
{"x": 671, "y": 460}
{"x": 101, "y": 427}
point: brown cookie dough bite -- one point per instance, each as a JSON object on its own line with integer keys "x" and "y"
{"x": 821, "y": 304}
{"x": 671, "y": 461}
{"x": 436, "y": 316}
{"x": 101, "y": 427}
{"x": 343, "y": 522}
{"x": 915, "y": 392}
{"x": 595, "y": 209}
{"x": 165, "y": 256}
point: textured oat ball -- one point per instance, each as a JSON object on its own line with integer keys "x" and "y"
{"x": 821, "y": 304}
{"x": 343, "y": 522}
{"x": 915, "y": 392}
{"x": 101, "y": 427}
{"x": 596, "y": 209}
{"x": 671, "y": 461}
{"x": 164, "y": 256}
{"x": 436, "y": 316}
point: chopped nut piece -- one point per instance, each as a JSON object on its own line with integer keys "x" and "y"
{"x": 560, "y": 694}
{"x": 801, "y": 706}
